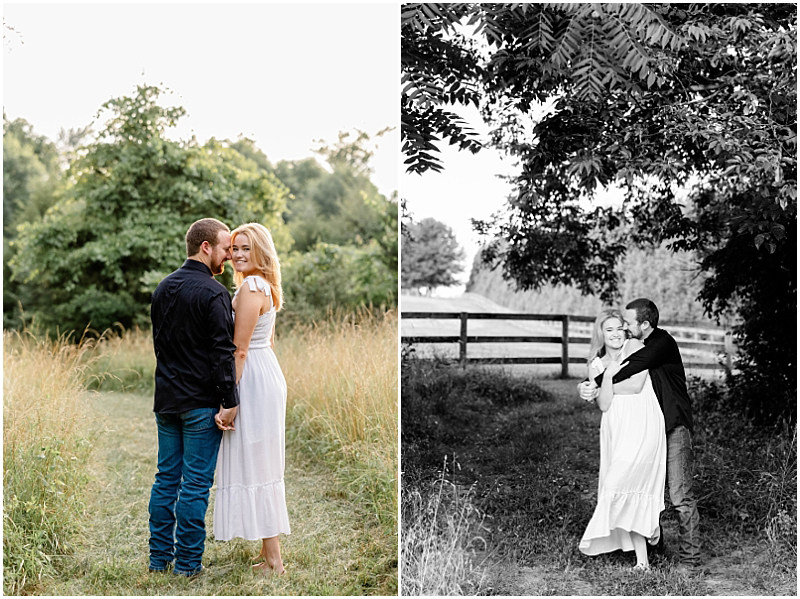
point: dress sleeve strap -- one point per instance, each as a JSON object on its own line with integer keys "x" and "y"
{"x": 257, "y": 283}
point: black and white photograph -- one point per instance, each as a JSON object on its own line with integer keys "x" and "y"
{"x": 598, "y": 308}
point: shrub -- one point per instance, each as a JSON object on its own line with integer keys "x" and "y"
{"x": 746, "y": 473}
{"x": 331, "y": 278}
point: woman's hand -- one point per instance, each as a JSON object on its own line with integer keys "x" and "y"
{"x": 606, "y": 394}
{"x": 225, "y": 417}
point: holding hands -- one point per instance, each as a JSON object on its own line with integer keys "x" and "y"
{"x": 225, "y": 417}
{"x": 588, "y": 390}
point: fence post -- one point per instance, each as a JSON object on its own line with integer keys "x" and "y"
{"x": 462, "y": 343}
{"x": 730, "y": 348}
{"x": 565, "y": 346}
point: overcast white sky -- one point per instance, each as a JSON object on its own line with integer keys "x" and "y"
{"x": 283, "y": 75}
{"x": 468, "y": 188}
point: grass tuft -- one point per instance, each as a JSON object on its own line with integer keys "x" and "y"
{"x": 747, "y": 473}
{"x": 441, "y": 403}
{"x": 122, "y": 361}
{"x": 442, "y": 539}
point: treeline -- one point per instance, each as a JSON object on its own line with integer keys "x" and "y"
{"x": 671, "y": 280}
{"x": 94, "y": 220}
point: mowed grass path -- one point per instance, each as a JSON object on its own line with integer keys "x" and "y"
{"x": 331, "y": 549}
{"x": 532, "y": 468}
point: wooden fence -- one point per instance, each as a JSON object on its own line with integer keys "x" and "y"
{"x": 710, "y": 341}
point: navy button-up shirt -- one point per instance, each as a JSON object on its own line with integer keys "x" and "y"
{"x": 662, "y": 357}
{"x": 193, "y": 339}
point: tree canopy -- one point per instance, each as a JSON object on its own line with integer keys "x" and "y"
{"x": 338, "y": 204}
{"x": 431, "y": 256}
{"x": 31, "y": 184}
{"x": 690, "y": 109}
{"x": 92, "y": 227}
{"x": 30, "y": 170}
{"x": 100, "y": 250}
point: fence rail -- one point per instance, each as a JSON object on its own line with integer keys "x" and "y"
{"x": 712, "y": 341}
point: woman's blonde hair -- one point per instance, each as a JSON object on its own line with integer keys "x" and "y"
{"x": 263, "y": 258}
{"x": 597, "y": 347}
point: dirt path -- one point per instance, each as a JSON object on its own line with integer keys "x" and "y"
{"x": 534, "y": 467}
{"x": 325, "y": 554}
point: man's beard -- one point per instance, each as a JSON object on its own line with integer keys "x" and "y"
{"x": 218, "y": 268}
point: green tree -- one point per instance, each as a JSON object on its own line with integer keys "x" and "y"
{"x": 431, "y": 256}
{"x": 31, "y": 174}
{"x": 32, "y": 182}
{"x": 247, "y": 148}
{"x": 338, "y": 205}
{"x": 345, "y": 232}
{"x": 652, "y": 98}
{"x": 98, "y": 253}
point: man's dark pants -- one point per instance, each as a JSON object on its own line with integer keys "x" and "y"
{"x": 188, "y": 444}
{"x": 680, "y": 472}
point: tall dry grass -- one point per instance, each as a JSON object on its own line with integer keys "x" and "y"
{"x": 342, "y": 381}
{"x": 47, "y": 426}
{"x": 342, "y": 385}
{"x": 122, "y": 361}
{"x": 442, "y": 534}
{"x": 344, "y": 376}
{"x": 341, "y": 376}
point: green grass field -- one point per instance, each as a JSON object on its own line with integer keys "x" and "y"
{"x": 340, "y": 479}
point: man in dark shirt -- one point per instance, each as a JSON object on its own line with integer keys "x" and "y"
{"x": 662, "y": 358}
{"x": 195, "y": 379}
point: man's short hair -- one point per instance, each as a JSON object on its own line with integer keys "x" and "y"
{"x": 646, "y": 310}
{"x": 205, "y": 229}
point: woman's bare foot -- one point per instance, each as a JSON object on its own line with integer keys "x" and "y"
{"x": 259, "y": 558}
{"x": 271, "y": 561}
{"x": 265, "y": 568}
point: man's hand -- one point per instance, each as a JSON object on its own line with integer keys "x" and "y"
{"x": 225, "y": 417}
{"x": 588, "y": 391}
{"x": 613, "y": 368}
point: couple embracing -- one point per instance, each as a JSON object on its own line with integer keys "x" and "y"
{"x": 220, "y": 400}
{"x": 636, "y": 378}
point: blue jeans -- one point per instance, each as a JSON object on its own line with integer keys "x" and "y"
{"x": 680, "y": 471}
{"x": 188, "y": 444}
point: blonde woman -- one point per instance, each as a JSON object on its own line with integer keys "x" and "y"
{"x": 633, "y": 449}
{"x": 250, "y": 501}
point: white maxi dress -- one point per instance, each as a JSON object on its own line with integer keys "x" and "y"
{"x": 633, "y": 468}
{"x": 250, "y": 500}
